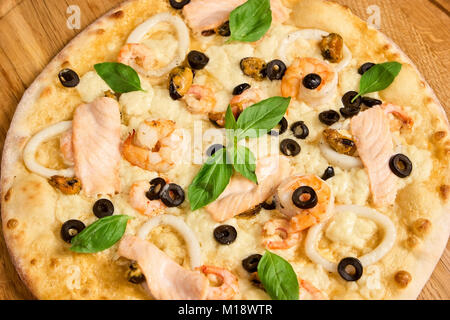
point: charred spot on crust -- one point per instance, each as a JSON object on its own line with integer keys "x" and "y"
{"x": 117, "y": 15}
{"x": 445, "y": 191}
{"x": 12, "y": 224}
{"x": 8, "y": 195}
{"x": 403, "y": 278}
{"x": 421, "y": 226}
{"x": 412, "y": 242}
{"x": 439, "y": 135}
{"x": 54, "y": 262}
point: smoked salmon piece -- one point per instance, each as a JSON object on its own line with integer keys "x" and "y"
{"x": 166, "y": 279}
{"x": 373, "y": 140}
{"x": 96, "y": 146}
{"x": 204, "y": 15}
{"x": 242, "y": 195}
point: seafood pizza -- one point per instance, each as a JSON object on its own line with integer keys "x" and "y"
{"x": 227, "y": 149}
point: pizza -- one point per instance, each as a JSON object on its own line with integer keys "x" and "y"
{"x": 206, "y": 149}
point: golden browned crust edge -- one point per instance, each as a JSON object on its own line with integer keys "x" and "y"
{"x": 12, "y": 154}
{"x": 432, "y": 247}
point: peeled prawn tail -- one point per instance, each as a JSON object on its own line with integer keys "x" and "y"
{"x": 229, "y": 283}
{"x": 399, "y": 113}
{"x": 135, "y": 155}
{"x": 289, "y": 238}
{"x": 315, "y": 293}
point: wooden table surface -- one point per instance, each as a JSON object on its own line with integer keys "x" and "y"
{"x": 33, "y": 31}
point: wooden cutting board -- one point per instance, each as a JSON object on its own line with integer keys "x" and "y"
{"x": 33, "y": 31}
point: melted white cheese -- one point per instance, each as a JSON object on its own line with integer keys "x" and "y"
{"x": 349, "y": 230}
{"x": 91, "y": 87}
{"x": 137, "y": 103}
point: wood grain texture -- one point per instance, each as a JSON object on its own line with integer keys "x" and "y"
{"x": 33, "y": 31}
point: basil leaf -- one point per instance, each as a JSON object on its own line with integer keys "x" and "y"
{"x": 100, "y": 235}
{"x": 244, "y": 162}
{"x": 119, "y": 77}
{"x": 211, "y": 180}
{"x": 230, "y": 121}
{"x": 263, "y": 116}
{"x": 378, "y": 78}
{"x": 230, "y": 126}
{"x": 278, "y": 277}
{"x": 250, "y": 21}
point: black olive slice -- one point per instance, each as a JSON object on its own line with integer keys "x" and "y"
{"x": 275, "y": 70}
{"x": 400, "y": 165}
{"x": 103, "y": 208}
{"x": 250, "y": 263}
{"x": 328, "y": 173}
{"x": 70, "y": 229}
{"x": 213, "y": 149}
{"x": 312, "y": 81}
{"x": 370, "y": 102}
{"x": 197, "y": 60}
{"x": 343, "y": 267}
{"x": 225, "y": 234}
{"x": 172, "y": 195}
{"x": 298, "y": 195}
{"x": 366, "y": 66}
{"x": 283, "y": 127}
{"x": 241, "y": 88}
{"x": 224, "y": 29}
{"x": 269, "y": 205}
{"x": 300, "y": 130}
{"x": 156, "y": 186}
{"x": 290, "y": 147}
{"x": 178, "y": 4}
{"x": 68, "y": 78}
{"x": 347, "y": 100}
{"x": 349, "y": 112}
{"x": 329, "y": 117}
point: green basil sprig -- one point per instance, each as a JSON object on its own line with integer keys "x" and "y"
{"x": 250, "y": 21}
{"x": 119, "y": 77}
{"x": 216, "y": 173}
{"x": 378, "y": 78}
{"x": 100, "y": 235}
{"x": 244, "y": 162}
{"x": 278, "y": 277}
{"x": 211, "y": 180}
{"x": 262, "y": 116}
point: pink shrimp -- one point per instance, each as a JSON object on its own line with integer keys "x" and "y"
{"x": 238, "y": 104}
{"x": 400, "y": 114}
{"x": 311, "y": 290}
{"x": 153, "y": 146}
{"x": 138, "y": 56}
{"x": 200, "y": 99}
{"x": 291, "y": 85}
{"x": 302, "y": 219}
{"x": 282, "y": 228}
{"x": 141, "y": 203}
{"x": 229, "y": 286}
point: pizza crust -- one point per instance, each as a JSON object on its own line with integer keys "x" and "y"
{"x": 327, "y": 16}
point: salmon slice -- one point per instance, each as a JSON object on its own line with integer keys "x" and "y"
{"x": 204, "y": 15}
{"x": 96, "y": 146}
{"x": 242, "y": 195}
{"x": 374, "y": 144}
{"x": 166, "y": 279}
